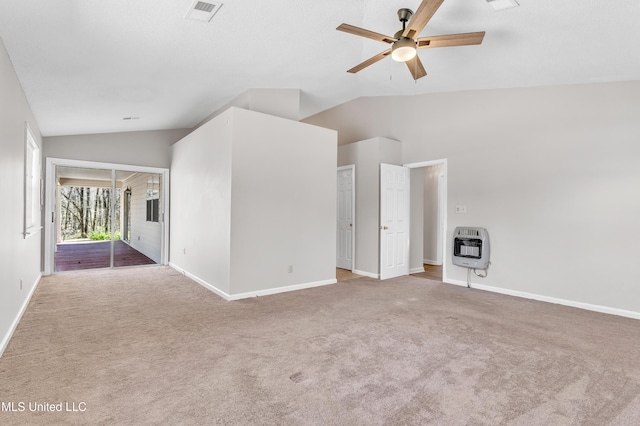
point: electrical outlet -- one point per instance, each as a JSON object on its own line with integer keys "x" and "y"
{"x": 290, "y": 269}
{"x": 138, "y": 237}
{"x": 20, "y": 283}
{"x": 461, "y": 209}
{"x": 184, "y": 251}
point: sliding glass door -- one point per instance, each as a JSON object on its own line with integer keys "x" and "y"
{"x": 104, "y": 217}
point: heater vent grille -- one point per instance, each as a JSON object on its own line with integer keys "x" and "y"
{"x": 468, "y": 232}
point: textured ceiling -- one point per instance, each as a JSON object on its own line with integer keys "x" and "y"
{"x": 86, "y": 64}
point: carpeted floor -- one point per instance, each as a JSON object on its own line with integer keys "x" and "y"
{"x": 148, "y": 346}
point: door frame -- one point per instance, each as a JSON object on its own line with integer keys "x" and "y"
{"x": 442, "y": 196}
{"x": 50, "y": 203}
{"x": 351, "y": 167}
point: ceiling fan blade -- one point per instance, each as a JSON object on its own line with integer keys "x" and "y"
{"x": 416, "y": 68}
{"x": 370, "y": 61}
{"x": 466, "y": 39}
{"x": 365, "y": 33}
{"x": 419, "y": 19}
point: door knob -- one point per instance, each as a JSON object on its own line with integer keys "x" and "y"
{"x": 385, "y": 227}
{"x": 351, "y": 224}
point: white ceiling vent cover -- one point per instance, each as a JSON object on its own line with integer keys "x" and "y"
{"x": 503, "y": 4}
{"x": 202, "y": 10}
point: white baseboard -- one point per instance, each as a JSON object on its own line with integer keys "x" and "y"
{"x": 5, "y": 340}
{"x": 431, "y": 262}
{"x": 416, "y": 270}
{"x": 564, "y": 302}
{"x": 200, "y": 281}
{"x": 246, "y": 295}
{"x": 366, "y": 274}
{"x": 283, "y": 289}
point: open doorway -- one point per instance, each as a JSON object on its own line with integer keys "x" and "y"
{"x": 428, "y": 219}
{"x": 104, "y": 216}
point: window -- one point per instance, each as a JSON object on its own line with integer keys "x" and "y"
{"x": 32, "y": 185}
{"x": 152, "y": 210}
{"x": 153, "y": 199}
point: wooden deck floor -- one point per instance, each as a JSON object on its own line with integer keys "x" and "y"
{"x": 96, "y": 254}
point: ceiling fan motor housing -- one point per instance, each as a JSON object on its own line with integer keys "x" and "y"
{"x": 404, "y": 14}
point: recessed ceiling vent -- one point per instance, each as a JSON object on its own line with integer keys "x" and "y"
{"x": 202, "y": 10}
{"x": 503, "y": 4}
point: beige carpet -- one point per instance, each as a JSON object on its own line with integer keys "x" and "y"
{"x": 146, "y": 345}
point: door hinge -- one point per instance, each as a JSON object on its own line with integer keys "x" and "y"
{"x": 53, "y": 217}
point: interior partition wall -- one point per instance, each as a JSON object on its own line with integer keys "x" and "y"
{"x": 137, "y": 209}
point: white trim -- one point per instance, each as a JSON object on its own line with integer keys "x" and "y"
{"x": 5, "y": 340}
{"x": 200, "y": 281}
{"x": 283, "y": 289}
{"x": 548, "y": 299}
{"x": 441, "y": 214}
{"x": 366, "y": 274}
{"x": 416, "y": 270}
{"x": 353, "y": 212}
{"x": 29, "y": 192}
{"x": 246, "y": 295}
{"x": 431, "y": 262}
{"x": 50, "y": 202}
{"x": 445, "y": 171}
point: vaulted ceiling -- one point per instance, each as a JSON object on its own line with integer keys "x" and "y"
{"x": 87, "y": 66}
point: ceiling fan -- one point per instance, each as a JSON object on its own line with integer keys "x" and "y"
{"x": 404, "y": 43}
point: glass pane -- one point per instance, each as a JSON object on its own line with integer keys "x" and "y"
{"x": 84, "y": 219}
{"x": 141, "y": 236}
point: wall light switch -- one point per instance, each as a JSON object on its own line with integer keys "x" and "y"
{"x": 461, "y": 209}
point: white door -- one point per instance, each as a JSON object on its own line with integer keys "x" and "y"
{"x": 345, "y": 228}
{"x": 394, "y": 221}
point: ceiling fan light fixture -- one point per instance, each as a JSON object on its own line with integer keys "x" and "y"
{"x": 403, "y": 50}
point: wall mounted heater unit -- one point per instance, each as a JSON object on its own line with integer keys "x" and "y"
{"x": 471, "y": 247}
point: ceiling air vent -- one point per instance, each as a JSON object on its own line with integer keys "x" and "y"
{"x": 202, "y": 10}
{"x": 503, "y": 4}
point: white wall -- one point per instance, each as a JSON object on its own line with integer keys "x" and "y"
{"x": 284, "y": 103}
{"x": 416, "y": 219}
{"x": 147, "y": 148}
{"x": 432, "y": 252}
{"x": 367, "y": 156}
{"x": 358, "y": 120}
{"x": 200, "y": 203}
{"x": 146, "y": 237}
{"x": 19, "y": 257}
{"x": 283, "y": 202}
{"x": 253, "y": 194}
{"x": 550, "y": 172}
